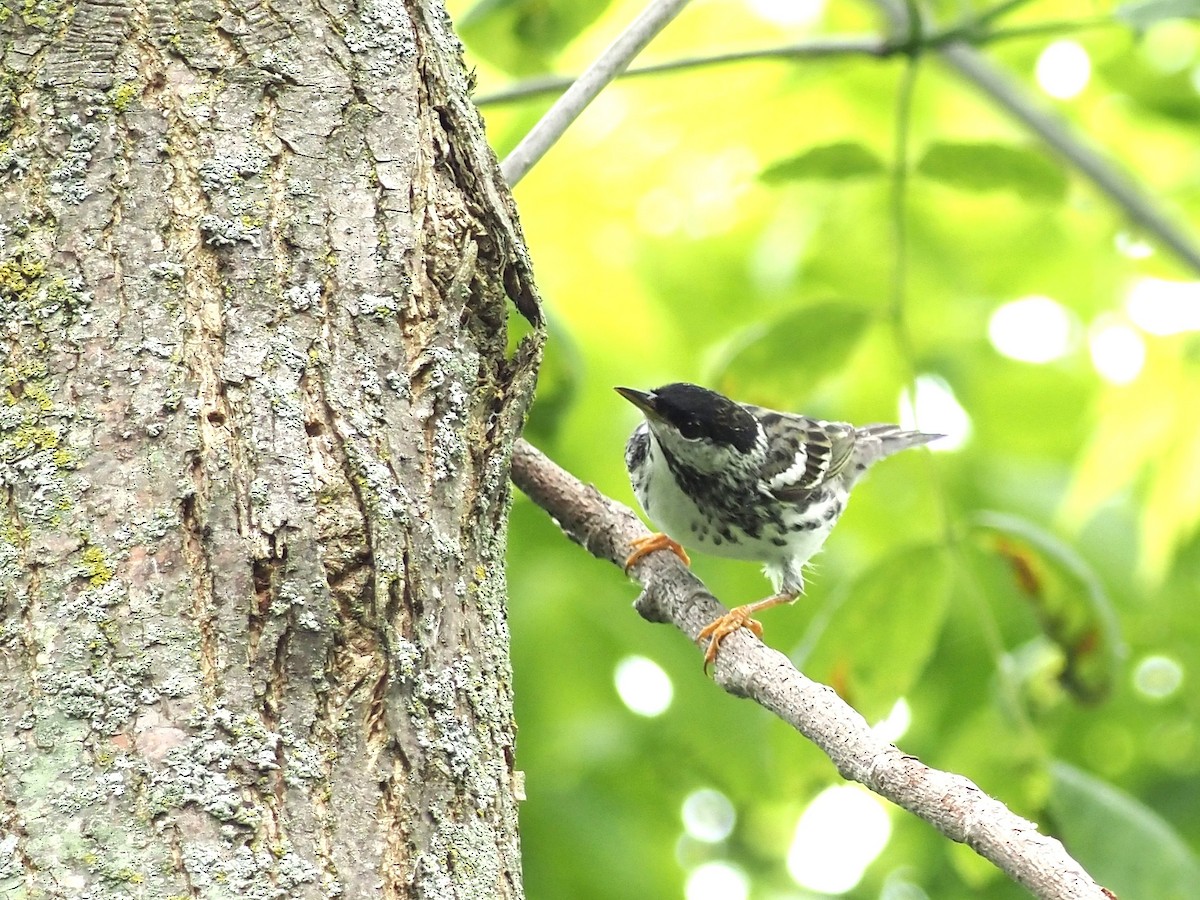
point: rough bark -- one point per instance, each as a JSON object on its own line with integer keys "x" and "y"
{"x": 256, "y": 411}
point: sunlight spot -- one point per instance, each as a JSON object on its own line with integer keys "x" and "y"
{"x": 1118, "y": 351}
{"x": 643, "y": 686}
{"x": 788, "y": 12}
{"x": 708, "y": 815}
{"x": 937, "y": 410}
{"x": 1132, "y": 246}
{"x": 1157, "y": 677}
{"x": 717, "y": 184}
{"x": 1063, "y": 70}
{"x": 717, "y": 881}
{"x": 604, "y": 116}
{"x": 841, "y": 832}
{"x": 660, "y": 212}
{"x": 1169, "y": 46}
{"x": 897, "y": 887}
{"x": 1032, "y": 329}
{"x": 1162, "y": 307}
{"x": 614, "y": 242}
{"x": 892, "y": 726}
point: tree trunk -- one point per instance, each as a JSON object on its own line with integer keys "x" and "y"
{"x": 256, "y": 411}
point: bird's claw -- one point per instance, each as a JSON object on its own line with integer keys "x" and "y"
{"x": 720, "y": 628}
{"x": 644, "y": 546}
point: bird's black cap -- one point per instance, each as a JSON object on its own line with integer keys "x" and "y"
{"x": 697, "y": 412}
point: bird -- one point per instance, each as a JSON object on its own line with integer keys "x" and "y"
{"x": 741, "y": 481}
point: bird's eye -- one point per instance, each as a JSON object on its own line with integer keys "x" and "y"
{"x": 690, "y": 428}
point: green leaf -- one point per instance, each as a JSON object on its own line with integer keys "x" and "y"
{"x": 831, "y": 162}
{"x": 1125, "y": 845}
{"x": 1169, "y": 94}
{"x": 525, "y": 36}
{"x": 1065, "y": 596}
{"x": 875, "y": 643}
{"x": 989, "y": 166}
{"x": 781, "y": 362}
{"x": 1151, "y": 12}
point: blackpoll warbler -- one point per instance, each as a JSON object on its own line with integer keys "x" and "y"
{"x": 746, "y": 482}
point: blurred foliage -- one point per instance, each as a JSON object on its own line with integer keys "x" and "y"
{"x": 810, "y": 235}
{"x": 525, "y": 36}
{"x": 988, "y": 166}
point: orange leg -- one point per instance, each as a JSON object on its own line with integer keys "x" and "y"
{"x": 738, "y": 617}
{"x": 643, "y": 547}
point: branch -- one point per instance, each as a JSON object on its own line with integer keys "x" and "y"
{"x": 954, "y": 45}
{"x": 1105, "y": 175}
{"x": 746, "y": 667}
{"x": 866, "y": 45}
{"x": 583, "y": 90}
{"x": 971, "y": 32}
{"x": 992, "y": 81}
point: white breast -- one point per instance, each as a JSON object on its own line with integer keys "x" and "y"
{"x": 784, "y": 552}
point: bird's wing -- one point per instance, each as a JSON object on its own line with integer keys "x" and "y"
{"x": 802, "y": 453}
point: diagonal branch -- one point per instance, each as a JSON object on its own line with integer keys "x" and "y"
{"x": 992, "y": 81}
{"x": 862, "y": 45}
{"x": 971, "y": 32}
{"x": 654, "y": 18}
{"x": 1122, "y": 190}
{"x": 955, "y": 46}
{"x": 748, "y": 668}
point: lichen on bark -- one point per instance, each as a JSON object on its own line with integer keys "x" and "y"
{"x": 256, "y": 410}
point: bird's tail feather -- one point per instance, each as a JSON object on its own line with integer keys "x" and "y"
{"x": 875, "y": 442}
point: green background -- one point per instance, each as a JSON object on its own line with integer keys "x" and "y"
{"x": 813, "y": 234}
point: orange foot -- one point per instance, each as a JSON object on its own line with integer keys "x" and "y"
{"x": 644, "y": 546}
{"x": 738, "y": 617}
{"x": 720, "y": 628}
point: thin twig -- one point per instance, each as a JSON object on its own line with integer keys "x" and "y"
{"x": 955, "y": 47}
{"x": 1105, "y": 175}
{"x": 818, "y": 48}
{"x": 899, "y": 200}
{"x": 992, "y": 14}
{"x": 605, "y": 68}
{"x": 903, "y": 338}
{"x": 1055, "y": 132}
{"x": 865, "y": 45}
{"x": 1046, "y": 29}
{"x": 748, "y": 668}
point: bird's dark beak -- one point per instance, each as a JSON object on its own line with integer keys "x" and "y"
{"x": 643, "y": 400}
